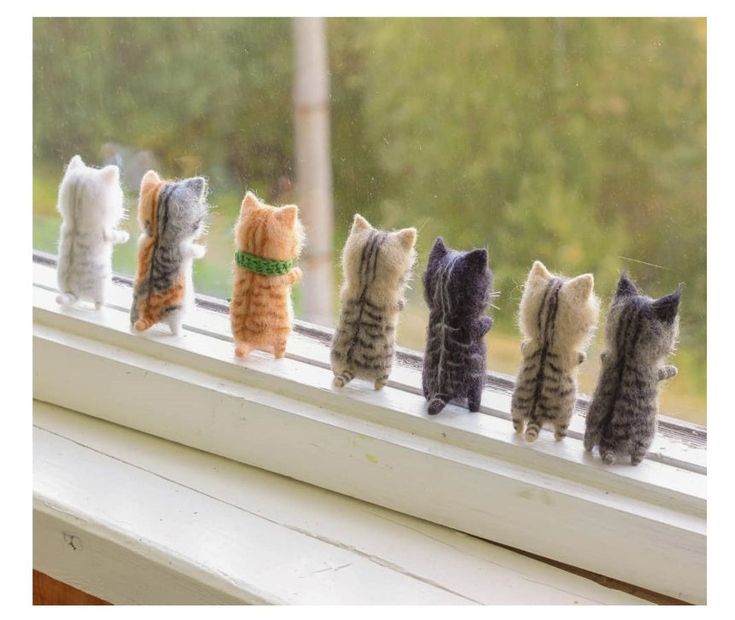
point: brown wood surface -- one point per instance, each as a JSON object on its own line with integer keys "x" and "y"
{"x": 49, "y": 591}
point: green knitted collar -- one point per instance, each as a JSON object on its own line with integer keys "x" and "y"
{"x": 264, "y": 266}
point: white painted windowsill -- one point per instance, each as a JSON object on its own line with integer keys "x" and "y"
{"x": 643, "y": 525}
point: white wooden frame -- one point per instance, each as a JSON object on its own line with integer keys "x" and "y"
{"x": 643, "y": 525}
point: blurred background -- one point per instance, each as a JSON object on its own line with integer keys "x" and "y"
{"x": 579, "y": 142}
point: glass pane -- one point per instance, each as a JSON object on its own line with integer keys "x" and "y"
{"x": 580, "y": 142}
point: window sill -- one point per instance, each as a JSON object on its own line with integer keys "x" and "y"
{"x": 466, "y": 471}
{"x": 194, "y": 528}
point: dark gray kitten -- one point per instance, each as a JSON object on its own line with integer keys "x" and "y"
{"x": 457, "y": 288}
{"x": 640, "y": 334}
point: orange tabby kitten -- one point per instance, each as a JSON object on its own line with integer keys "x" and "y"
{"x": 268, "y": 241}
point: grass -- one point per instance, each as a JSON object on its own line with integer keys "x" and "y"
{"x": 683, "y": 397}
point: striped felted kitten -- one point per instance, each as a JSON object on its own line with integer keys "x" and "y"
{"x": 91, "y": 205}
{"x": 376, "y": 266}
{"x": 557, "y": 317}
{"x": 640, "y": 334}
{"x": 457, "y": 289}
{"x": 171, "y": 215}
{"x": 268, "y": 241}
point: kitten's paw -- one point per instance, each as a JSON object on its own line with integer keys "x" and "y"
{"x": 279, "y": 350}
{"x": 635, "y": 459}
{"x": 199, "y": 251}
{"x": 519, "y": 426}
{"x": 296, "y": 275}
{"x": 560, "y": 433}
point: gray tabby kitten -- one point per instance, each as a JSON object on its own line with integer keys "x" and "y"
{"x": 640, "y": 334}
{"x": 172, "y": 216}
{"x": 557, "y": 316}
{"x": 376, "y": 265}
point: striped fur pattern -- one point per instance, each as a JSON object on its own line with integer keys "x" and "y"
{"x": 172, "y": 216}
{"x": 261, "y": 312}
{"x": 376, "y": 266}
{"x": 640, "y": 334}
{"x": 457, "y": 289}
{"x": 91, "y": 206}
{"x": 557, "y": 317}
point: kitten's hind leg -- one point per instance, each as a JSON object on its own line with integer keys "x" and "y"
{"x": 381, "y": 382}
{"x": 637, "y": 453}
{"x": 66, "y": 299}
{"x": 560, "y": 430}
{"x": 518, "y": 422}
{"x": 343, "y": 378}
{"x": 175, "y": 320}
{"x": 242, "y": 349}
{"x": 279, "y": 349}
{"x": 474, "y": 397}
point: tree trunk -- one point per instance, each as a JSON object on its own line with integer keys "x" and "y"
{"x": 313, "y": 166}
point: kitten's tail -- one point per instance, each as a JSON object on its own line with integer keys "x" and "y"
{"x": 436, "y": 404}
{"x": 532, "y": 431}
{"x": 343, "y": 379}
{"x": 142, "y": 324}
{"x": 66, "y": 299}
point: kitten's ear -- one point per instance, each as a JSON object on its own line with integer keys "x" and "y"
{"x": 249, "y": 202}
{"x": 198, "y": 185}
{"x": 539, "y": 271}
{"x": 150, "y": 179}
{"x": 439, "y": 250}
{"x": 110, "y": 174}
{"x": 407, "y": 237}
{"x": 477, "y": 259}
{"x": 74, "y": 163}
{"x": 581, "y": 287}
{"x": 360, "y": 223}
{"x": 626, "y": 287}
{"x": 667, "y": 307}
{"x": 288, "y": 215}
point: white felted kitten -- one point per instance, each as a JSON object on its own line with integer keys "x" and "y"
{"x": 91, "y": 205}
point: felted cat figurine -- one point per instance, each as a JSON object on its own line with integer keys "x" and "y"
{"x": 91, "y": 204}
{"x": 376, "y": 266}
{"x": 557, "y": 317}
{"x": 269, "y": 241}
{"x": 172, "y": 216}
{"x": 640, "y": 333}
{"x": 457, "y": 289}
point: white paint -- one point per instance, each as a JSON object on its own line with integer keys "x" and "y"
{"x": 460, "y": 470}
{"x": 73, "y": 450}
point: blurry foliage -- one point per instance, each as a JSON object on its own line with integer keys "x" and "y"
{"x": 581, "y": 142}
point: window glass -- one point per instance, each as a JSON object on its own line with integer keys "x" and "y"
{"x": 580, "y": 142}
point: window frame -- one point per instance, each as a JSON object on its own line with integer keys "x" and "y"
{"x": 283, "y": 416}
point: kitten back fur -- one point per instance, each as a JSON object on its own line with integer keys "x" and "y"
{"x": 90, "y": 202}
{"x": 172, "y": 215}
{"x": 557, "y": 317}
{"x": 639, "y": 335}
{"x": 376, "y": 267}
{"x": 261, "y": 311}
{"x": 457, "y": 289}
